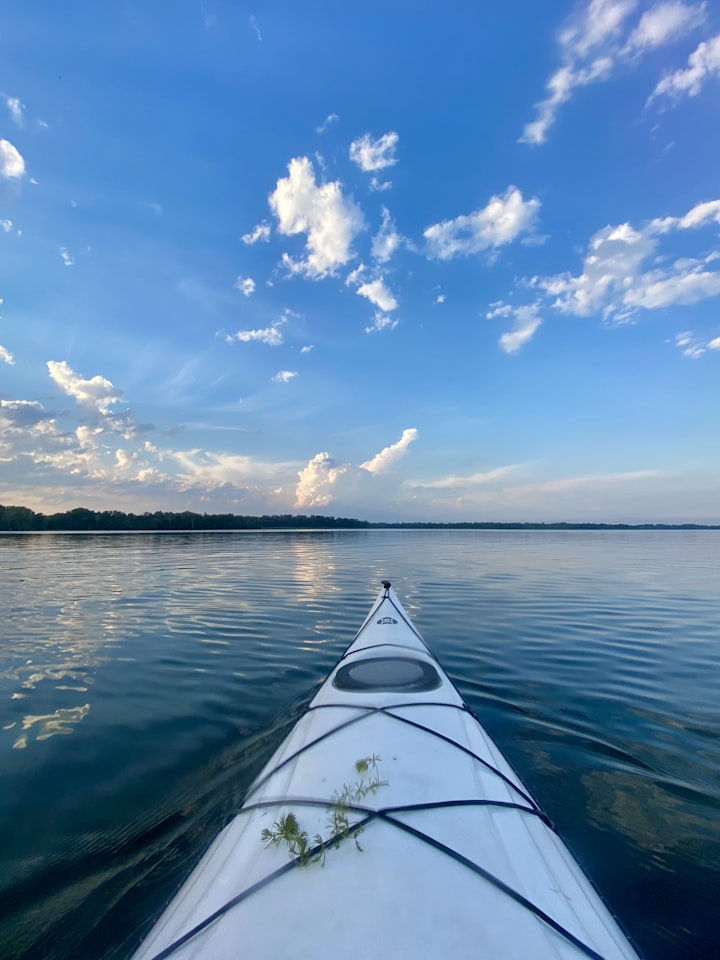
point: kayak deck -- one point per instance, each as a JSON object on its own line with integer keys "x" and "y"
{"x": 420, "y": 839}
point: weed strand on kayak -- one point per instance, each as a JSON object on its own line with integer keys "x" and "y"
{"x": 286, "y": 828}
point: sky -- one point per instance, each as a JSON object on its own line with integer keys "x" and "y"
{"x": 397, "y": 261}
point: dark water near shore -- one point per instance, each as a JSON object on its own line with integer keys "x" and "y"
{"x": 145, "y": 678}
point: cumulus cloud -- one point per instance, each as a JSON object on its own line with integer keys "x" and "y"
{"x": 387, "y": 240}
{"x": 15, "y": 108}
{"x": 307, "y": 348}
{"x": 12, "y": 165}
{"x": 260, "y": 233}
{"x": 714, "y": 344}
{"x": 503, "y": 219}
{"x": 7, "y": 225}
{"x": 330, "y": 220}
{"x": 245, "y": 285}
{"x": 381, "y": 321}
{"x": 97, "y": 393}
{"x": 66, "y": 257}
{"x": 285, "y": 376}
{"x": 20, "y": 414}
{"x": 614, "y": 281}
{"x": 624, "y": 271}
{"x": 371, "y": 154}
{"x": 597, "y": 37}
{"x": 703, "y": 65}
{"x": 316, "y": 481}
{"x": 390, "y": 455}
{"x": 6, "y": 356}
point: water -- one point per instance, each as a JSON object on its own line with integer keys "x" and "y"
{"x": 145, "y": 678}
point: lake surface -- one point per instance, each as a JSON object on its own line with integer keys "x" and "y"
{"x": 145, "y": 678}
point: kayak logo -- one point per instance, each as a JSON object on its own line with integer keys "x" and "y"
{"x": 386, "y": 620}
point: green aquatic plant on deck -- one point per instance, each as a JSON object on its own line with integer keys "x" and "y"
{"x": 286, "y": 828}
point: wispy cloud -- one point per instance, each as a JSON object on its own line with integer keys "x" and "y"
{"x": 387, "y": 240}
{"x": 269, "y": 335}
{"x": 504, "y": 219}
{"x": 330, "y": 220}
{"x": 329, "y": 120}
{"x": 15, "y": 108}
{"x": 597, "y": 37}
{"x": 66, "y": 257}
{"x": 381, "y": 321}
{"x": 252, "y": 20}
{"x": 526, "y": 323}
{"x": 371, "y": 154}
{"x": 6, "y": 356}
{"x": 6, "y": 225}
{"x": 703, "y": 65}
{"x": 259, "y": 233}
{"x": 12, "y": 165}
{"x": 245, "y": 285}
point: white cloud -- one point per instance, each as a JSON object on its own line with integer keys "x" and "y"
{"x": 381, "y": 322}
{"x": 473, "y": 480}
{"x": 327, "y": 122}
{"x": 66, "y": 258}
{"x": 526, "y": 323}
{"x": 15, "y": 107}
{"x": 7, "y": 225}
{"x": 623, "y": 272}
{"x": 6, "y": 356}
{"x": 691, "y": 346}
{"x": 664, "y": 22}
{"x": 330, "y": 220}
{"x": 390, "y": 455}
{"x": 252, "y": 20}
{"x": 440, "y": 298}
{"x": 387, "y": 240}
{"x": 591, "y": 44}
{"x": 380, "y": 186}
{"x": 714, "y": 344}
{"x": 285, "y": 376}
{"x": 245, "y": 285}
{"x": 613, "y": 282}
{"x": 371, "y": 154}
{"x": 259, "y": 233}
{"x": 316, "y": 481}
{"x": 12, "y": 165}
{"x": 22, "y": 414}
{"x": 501, "y": 221}
{"x": 703, "y": 64}
{"x": 307, "y": 348}
{"x": 378, "y": 294}
{"x": 269, "y": 335}
{"x": 96, "y": 394}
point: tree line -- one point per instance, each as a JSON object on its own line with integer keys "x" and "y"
{"x": 23, "y": 519}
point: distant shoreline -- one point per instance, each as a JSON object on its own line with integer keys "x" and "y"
{"x": 15, "y": 519}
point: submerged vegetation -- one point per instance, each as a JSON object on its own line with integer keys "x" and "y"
{"x": 23, "y": 519}
{"x": 286, "y": 828}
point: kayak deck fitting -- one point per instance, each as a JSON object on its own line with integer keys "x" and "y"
{"x": 387, "y": 824}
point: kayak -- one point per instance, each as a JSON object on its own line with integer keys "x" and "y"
{"x": 387, "y": 825}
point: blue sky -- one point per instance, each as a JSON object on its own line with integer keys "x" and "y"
{"x": 397, "y": 261}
